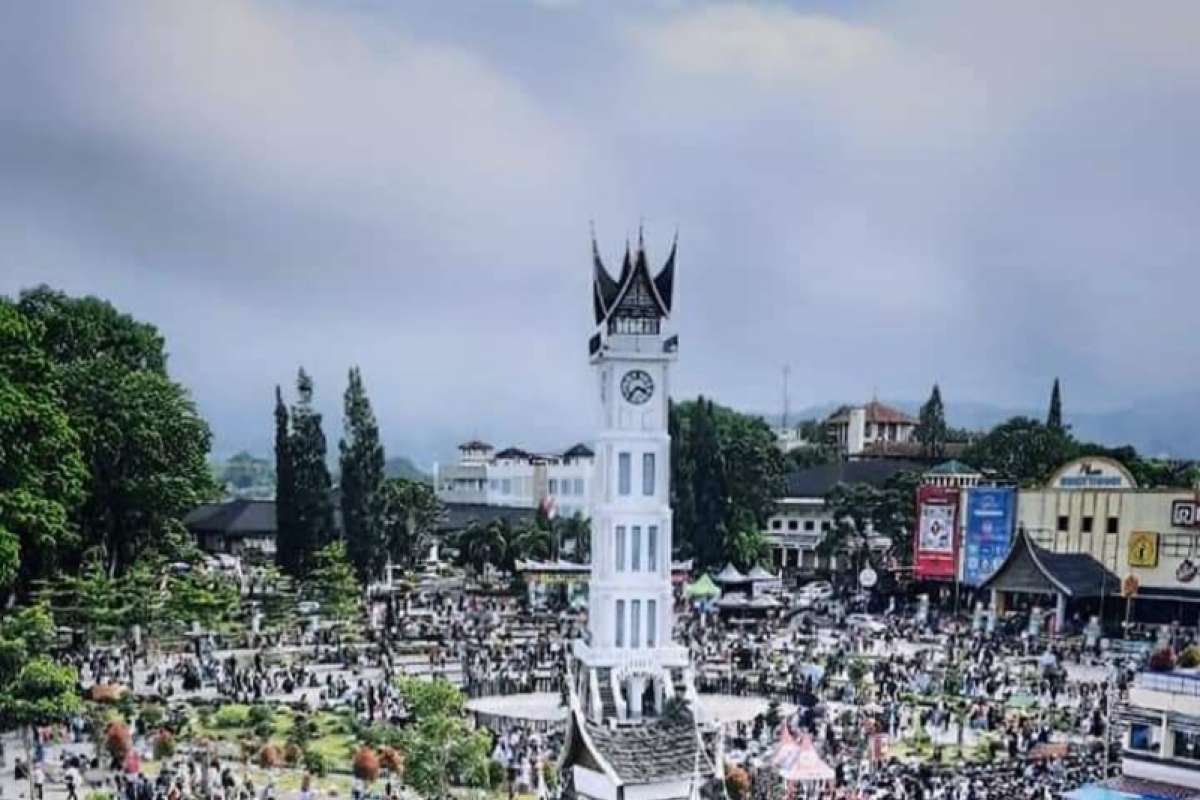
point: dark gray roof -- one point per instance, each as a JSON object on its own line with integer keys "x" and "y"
{"x": 1031, "y": 568}
{"x": 654, "y": 750}
{"x": 236, "y": 517}
{"x": 460, "y": 515}
{"x": 819, "y": 480}
{"x": 580, "y": 450}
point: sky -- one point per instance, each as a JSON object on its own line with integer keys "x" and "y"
{"x": 880, "y": 195}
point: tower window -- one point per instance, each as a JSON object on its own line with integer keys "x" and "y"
{"x": 620, "y": 637}
{"x": 648, "y": 474}
{"x": 635, "y": 624}
{"x": 620, "y": 548}
{"x": 652, "y": 548}
{"x": 624, "y": 474}
{"x": 636, "y": 549}
{"x": 651, "y": 622}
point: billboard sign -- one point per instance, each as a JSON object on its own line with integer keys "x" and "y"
{"x": 936, "y": 542}
{"x": 1095, "y": 472}
{"x": 988, "y": 536}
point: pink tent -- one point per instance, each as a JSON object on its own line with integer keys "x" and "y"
{"x": 798, "y": 763}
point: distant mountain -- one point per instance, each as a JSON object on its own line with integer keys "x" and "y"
{"x": 1161, "y": 427}
{"x": 401, "y": 467}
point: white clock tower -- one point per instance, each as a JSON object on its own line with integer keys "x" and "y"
{"x": 628, "y": 666}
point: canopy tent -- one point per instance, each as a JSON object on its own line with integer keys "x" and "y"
{"x": 702, "y": 589}
{"x": 798, "y": 763}
{"x": 760, "y": 575}
{"x": 731, "y": 575}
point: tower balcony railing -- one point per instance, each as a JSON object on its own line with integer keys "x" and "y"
{"x": 632, "y": 659}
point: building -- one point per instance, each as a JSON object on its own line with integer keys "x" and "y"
{"x": 1095, "y": 506}
{"x": 518, "y": 478}
{"x": 621, "y": 743}
{"x": 953, "y": 474}
{"x": 859, "y": 430}
{"x": 234, "y": 528}
{"x": 1161, "y": 746}
{"x": 801, "y": 518}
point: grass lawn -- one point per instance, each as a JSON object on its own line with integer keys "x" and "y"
{"x": 333, "y": 740}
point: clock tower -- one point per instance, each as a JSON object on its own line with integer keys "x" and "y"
{"x": 628, "y": 666}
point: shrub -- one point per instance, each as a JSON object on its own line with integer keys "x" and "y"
{"x": 152, "y": 716}
{"x": 1190, "y": 657}
{"x": 231, "y": 716}
{"x": 269, "y": 756}
{"x": 117, "y": 740}
{"x": 292, "y": 755}
{"x": 1161, "y": 660}
{"x": 302, "y": 731}
{"x": 366, "y": 765}
{"x": 391, "y": 760}
{"x": 263, "y": 730}
{"x": 164, "y": 745}
{"x": 552, "y": 776}
{"x": 314, "y": 762}
{"x": 497, "y": 773}
{"x": 737, "y": 783}
{"x": 259, "y": 714}
{"x": 107, "y": 692}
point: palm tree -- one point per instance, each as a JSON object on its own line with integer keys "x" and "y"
{"x": 578, "y": 530}
{"x": 532, "y": 542}
{"x": 480, "y": 545}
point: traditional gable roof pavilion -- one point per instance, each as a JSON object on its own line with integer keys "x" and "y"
{"x": 635, "y": 294}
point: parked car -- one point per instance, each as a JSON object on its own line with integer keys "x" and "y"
{"x": 817, "y": 590}
{"x": 867, "y": 623}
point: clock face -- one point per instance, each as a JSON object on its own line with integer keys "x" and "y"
{"x": 637, "y": 386}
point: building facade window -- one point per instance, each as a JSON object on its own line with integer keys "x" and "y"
{"x": 620, "y": 548}
{"x": 652, "y": 622}
{"x": 776, "y": 524}
{"x": 620, "y": 633}
{"x": 553, "y": 486}
{"x": 624, "y": 474}
{"x": 506, "y": 485}
{"x": 648, "y": 474}
{"x": 635, "y": 624}
{"x": 1185, "y": 745}
{"x": 1114, "y": 525}
{"x": 1144, "y": 738}
{"x": 1064, "y": 523}
{"x": 635, "y": 549}
{"x": 793, "y": 525}
{"x": 809, "y": 525}
{"x": 652, "y": 548}
{"x": 1087, "y": 525}
{"x": 578, "y": 482}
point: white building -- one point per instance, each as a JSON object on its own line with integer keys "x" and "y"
{"x": 873, "y": 428}
{"x": 620, "y": 742}
{"x": 1162, "y": 743}
{"x": 517, "y": 478}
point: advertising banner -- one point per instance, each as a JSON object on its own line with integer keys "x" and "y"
{"x": 936, "y": 540}
{"x": 988, "y": 536}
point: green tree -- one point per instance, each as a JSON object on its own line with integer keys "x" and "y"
{"x": 1022, "y": 450}
{"x": 931, "y": 429}
{"x": 410, "y": 514}
{"x": 199, "y": 598}
{"x": 576, "y": 530}
{"x": 332, "y": 583}
{"x": 707, "y": 466}
{"x": 747, "y": 546}
{"x": 362, "y": 461}
{"x": 482, "y": 545}
{"x": 440, "y": 748}
{"x": 683, "y": 498}
{"x": 142, "y": 438}
{"x": 1054, "y": 419}
{"x": 286, "y": 548}
{"x": 312, "y": 506}
{"x": 34, "y": 690}
{"x": 531, "y": 542}
{"x": 41, "y": 468}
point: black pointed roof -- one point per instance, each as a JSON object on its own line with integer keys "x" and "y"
{"x": 1032, "y": 568}
{"x": 636, "y": 292}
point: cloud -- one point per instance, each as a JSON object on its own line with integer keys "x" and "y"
{"x": 982, "y": 194}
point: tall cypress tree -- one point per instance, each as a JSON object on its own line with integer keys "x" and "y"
{"x": 1054, "y": 419}
{"x": 285, "y": 489}
{"x": 362, "y": 461}
{"x": 931, "y": 429}
{"x": 708, "y": 484}
{"x": 313, "y": 507}
{"x": 683, "y": 501}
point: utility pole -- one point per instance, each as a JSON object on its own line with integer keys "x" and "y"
{"x": 787, "y": 371}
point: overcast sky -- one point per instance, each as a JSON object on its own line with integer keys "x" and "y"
{"x": 881, "y": 195}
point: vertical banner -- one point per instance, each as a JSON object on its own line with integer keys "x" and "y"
{"x": 988, "y": 536}
{"x": 935, "y": 544}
